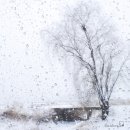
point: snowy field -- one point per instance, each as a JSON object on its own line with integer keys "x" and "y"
{"x": 119, "y": 119}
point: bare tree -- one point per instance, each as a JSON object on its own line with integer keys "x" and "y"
{"x": 89, "y": 39}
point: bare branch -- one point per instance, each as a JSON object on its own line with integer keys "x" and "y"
{"x": 118, "y": 74}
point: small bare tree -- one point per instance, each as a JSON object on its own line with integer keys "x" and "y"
{"x": 92, "y": 42}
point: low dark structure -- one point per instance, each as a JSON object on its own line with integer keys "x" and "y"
{"x": 73, "y": 114}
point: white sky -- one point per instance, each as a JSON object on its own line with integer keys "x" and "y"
{"x": 27, "y": 73}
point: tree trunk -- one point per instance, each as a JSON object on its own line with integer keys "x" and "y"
{"x": 105, "y": 109}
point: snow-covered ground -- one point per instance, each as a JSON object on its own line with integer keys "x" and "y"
{"x": 119, "y": 119}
